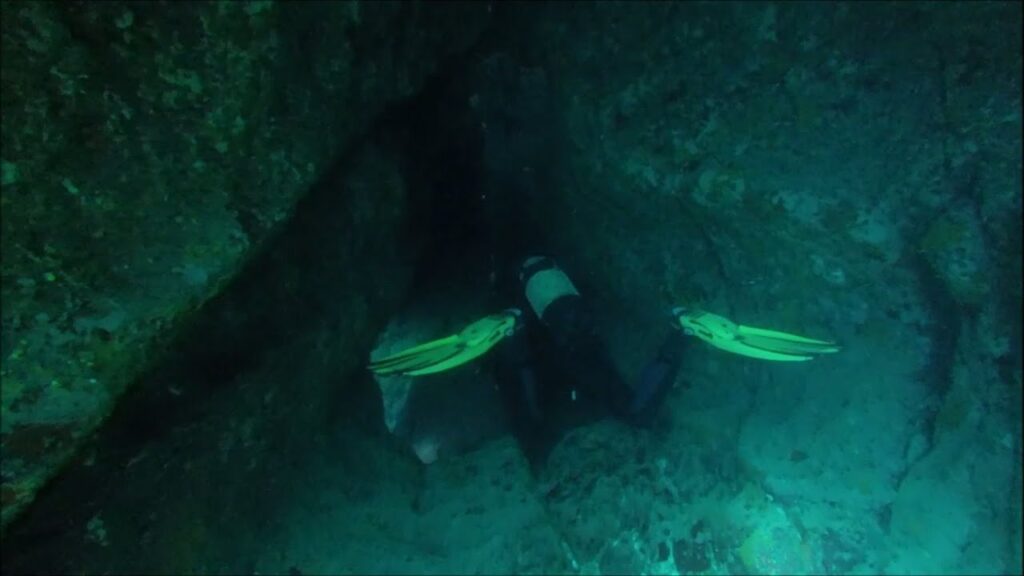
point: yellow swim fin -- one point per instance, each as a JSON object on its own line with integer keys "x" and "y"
{"x": 451, "y": 351}
{"x": 750, "y": 341}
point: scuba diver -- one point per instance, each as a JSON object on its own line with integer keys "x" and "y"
{"x": 552, "y": 367}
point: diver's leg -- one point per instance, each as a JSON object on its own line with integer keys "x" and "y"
{"x": 517, "y": 379}
{"x": 577, "y": 346}
{"x": 656, "y": 379}
{"x": 582, "y": 353}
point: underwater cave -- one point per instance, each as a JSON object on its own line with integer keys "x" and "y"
{"x": 511, "y": 287}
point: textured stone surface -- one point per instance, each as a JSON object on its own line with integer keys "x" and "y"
{"x": 840, "y": 170}
{"x": 837, "y": 170}
{"x": 148, "y": 150}
{"x": 261, "y": 408}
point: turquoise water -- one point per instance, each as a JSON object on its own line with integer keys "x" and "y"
{"x": 217, "y": 218}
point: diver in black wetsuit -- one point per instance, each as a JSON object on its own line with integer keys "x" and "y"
{"x": 551, "y": 366}
{"x": 555, "y": 372}
{"x": 553, "y": 369}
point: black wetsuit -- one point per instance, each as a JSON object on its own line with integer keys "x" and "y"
{"x": 555, "y": 372}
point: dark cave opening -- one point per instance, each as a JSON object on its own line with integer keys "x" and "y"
{"x": 473, "y": 199}
{"x": 445, "y": 175}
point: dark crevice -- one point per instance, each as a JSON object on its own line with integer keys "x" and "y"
{"x": 944, "y": 332}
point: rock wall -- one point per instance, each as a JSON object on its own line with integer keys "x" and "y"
{"x": 149, "y": 150}
{"x": 200, "y": 465}
{"x": 849, "y": 171}
{"x": 842, "y": 170}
